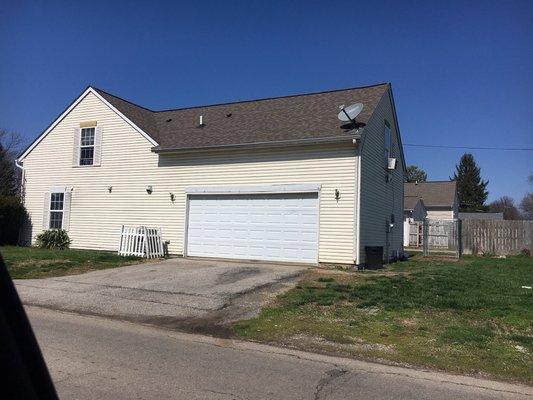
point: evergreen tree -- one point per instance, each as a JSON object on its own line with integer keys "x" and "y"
{"x": 415, "y": 174}
{"x": 8, "y": 175}
{"x": 471, "y": 189}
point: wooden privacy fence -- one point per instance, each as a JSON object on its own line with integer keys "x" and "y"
{"x": 141, "y": 241}
{"x": 496, "y": 236}
{"x": 416, "y": 233}
{"x": 435, "y": 234}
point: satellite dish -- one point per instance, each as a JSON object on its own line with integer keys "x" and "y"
{"x": 348, "y": 114}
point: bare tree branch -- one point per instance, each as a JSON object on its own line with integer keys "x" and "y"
{"x": 10, "y": 177}
{"x": 11, "y": 142}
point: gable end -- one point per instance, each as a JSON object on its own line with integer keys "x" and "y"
{"x": 70, "y": 108}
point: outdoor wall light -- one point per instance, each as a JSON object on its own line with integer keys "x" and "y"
{"x": 149, "y": 189}
{"x": 172, "y": 197}
{"x": 337, "y": 194}
{"x": 110, "y": 189}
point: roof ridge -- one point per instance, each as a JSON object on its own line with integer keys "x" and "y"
{"x": 120, "y": 98}
{"x": 243, "y": 101}
{"x": 273, "y": 98}
{"x": 441, "y": 181}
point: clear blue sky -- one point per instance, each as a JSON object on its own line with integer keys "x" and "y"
{"x": 462, "y": 71}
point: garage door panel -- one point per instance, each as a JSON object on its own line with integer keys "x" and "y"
{"x": 274, "y": 227}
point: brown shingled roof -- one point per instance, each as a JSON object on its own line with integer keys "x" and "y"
{"x": 281, "y": 119}
{"x": 434, "y": 194}
{"x": 410, "y": 202}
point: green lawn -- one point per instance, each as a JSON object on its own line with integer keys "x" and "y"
{"x": 469, "y": 316}
{"x": 32, "y": 262}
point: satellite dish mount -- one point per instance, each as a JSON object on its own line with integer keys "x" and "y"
{"x": 348, "y": 114}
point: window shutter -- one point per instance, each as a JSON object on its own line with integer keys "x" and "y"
{"x": 97, "y": 145}
{"x": 66, "y": 209}
{"x": 46, "y": 211}
{"x": 76, "y": 149}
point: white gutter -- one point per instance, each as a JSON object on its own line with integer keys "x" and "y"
{"x": 22, "y": 178}
{"x": 291, "y": 142}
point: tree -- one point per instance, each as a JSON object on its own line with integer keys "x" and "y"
{"x": 8, "y": 176}
{"x": 506, "y": 206}
{"x": 415, "y": 174}
{"x": 10, "y": 143}
{"x": 526, "y": 205}
{"x": 471, "y": 189}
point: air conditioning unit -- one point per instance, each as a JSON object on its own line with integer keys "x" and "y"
{"x": 391, "y": 163}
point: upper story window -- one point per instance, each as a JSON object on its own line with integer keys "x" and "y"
{"x": 87, "y": 146}
{"x": 388, "y": 141}
{"x": 57, "y": 202}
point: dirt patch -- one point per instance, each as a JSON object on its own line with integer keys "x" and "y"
{"x": 411, "y": 322}
{"x": 41, "y": 263}
{"x": 353, "y": 345}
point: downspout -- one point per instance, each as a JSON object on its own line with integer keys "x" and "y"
{"x": 358, "y": 204}
{"x": 22, "y": 196}
{"x": 22, "y": 179}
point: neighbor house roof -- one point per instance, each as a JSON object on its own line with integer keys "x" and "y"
{"x": 410, "y": 202}
{"x": 481, "y": 215}
{"x": 434, "y": 194}
{"x": 297, "y": 118}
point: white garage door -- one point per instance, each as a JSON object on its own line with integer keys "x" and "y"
{"x": 277, "y": 227}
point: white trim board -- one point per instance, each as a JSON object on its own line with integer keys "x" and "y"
{"x": 290, "y": 188}
{"x": 71, "y": 107}
{"x": 59, "y": 189}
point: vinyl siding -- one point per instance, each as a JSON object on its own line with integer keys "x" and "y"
{"x": 380, "y": 199}
{"x": 128, "y": 165}
{"x": 419, "y": 213}
{"x": 441, "y": 214}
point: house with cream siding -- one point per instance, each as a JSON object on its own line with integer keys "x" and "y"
{"x": 279, "y": 179}
{"x": 414, "y": 211}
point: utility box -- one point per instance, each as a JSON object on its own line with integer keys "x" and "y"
{"x": 374, "y": 257}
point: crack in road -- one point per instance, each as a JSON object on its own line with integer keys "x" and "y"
{"x": 330, "y": 376}
{"x": 326, "y": 380}
{"x": 233, "y": 395}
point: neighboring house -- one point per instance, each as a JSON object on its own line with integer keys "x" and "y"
{"x": 440, "y": 198}
{"x": 481, "y": 215}
{"x": 278, "y": 179}
{"x": 414, "y": 210}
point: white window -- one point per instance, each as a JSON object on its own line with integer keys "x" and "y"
{"x": 87, "y": 146}
{"x": 56, "y": 211}
{"x": 57, "y": 203}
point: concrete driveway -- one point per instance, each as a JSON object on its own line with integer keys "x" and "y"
{"x": 195, "y": 295}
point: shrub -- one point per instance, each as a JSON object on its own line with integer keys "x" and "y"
{"x": 53, "y": 239}
{"x": 12, "y": 217}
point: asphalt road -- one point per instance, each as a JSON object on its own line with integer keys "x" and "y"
{"x": 97, "y": 358}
